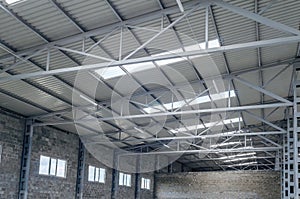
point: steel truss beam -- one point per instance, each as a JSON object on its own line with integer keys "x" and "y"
{"x": 233, "y": 47}
{"x": 207, "y": 151}
{"x": 179, "y": 86}
{"x": 107, "y": 29}
{"x": 196, "y": 137}
{"x": 221, "y": 159}
{"x": 188, "y": 112}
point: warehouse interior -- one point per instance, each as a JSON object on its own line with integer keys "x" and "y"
{"x": 149, "y": 99}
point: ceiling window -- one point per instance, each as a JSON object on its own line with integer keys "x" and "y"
{"x": 12, "y": 2}
{"x": 182, "y": 103}
{"x": 207, "y": 125}
{"x": 243, "y": 164}
{"x": 0, "y": 152}
{"x": 124, "y": 179}
{"x": 96, "y": 174}
{"x": 52, "y": 166}
{"x": 116, "y": 71}
{"x": 145, "y": 183}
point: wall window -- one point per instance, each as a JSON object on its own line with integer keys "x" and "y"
{"x": 52, "y": 166}
{"x": 145, "y": 183}
{"x": 0, "y": 152}
{"x": 96, "y": 174}
{"x": 125, "y": 179}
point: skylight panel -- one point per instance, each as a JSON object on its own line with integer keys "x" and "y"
{"x": 240, "y": 159}
{"x": 10, "y": 2}
{"x": 112, "y": 72}
{"x": 133, "y": 68}
{"x": 199, "y": 100}
{"x": 206, "y": 125}
{"x": 225, "y": 144}
{"x": 237, "y": 155}
{"x": 242, "y": 164}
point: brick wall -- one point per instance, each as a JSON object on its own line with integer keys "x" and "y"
{"x": 56, "y": 144}
{"x": 96, "y": 189}
{"x": 11, "y": 139}
{"x": 219, "y": 185}
{"x": 145, "y": 194}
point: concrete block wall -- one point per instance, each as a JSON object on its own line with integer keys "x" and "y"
{"x": 56, "y": 144}
{"x": 96, "y": 189}
{"x": 219, "y": 185}
{"x": 145, "y": 194}
{"x": 11, "y": 140}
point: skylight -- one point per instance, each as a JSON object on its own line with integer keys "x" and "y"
{"x": 13, "y": 1}
{"x": 112, "y": 72}
{"x": 237, "y": 155}
{"x": 199, "y": 100}
{"x": 206, "y": 125}
{"x": 225, "y": 144}
{"x": 227, "y": 133}
{"x": 242, "y": 164}
{"x": 240, "y": 159}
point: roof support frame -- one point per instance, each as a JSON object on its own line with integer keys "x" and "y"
{"x": 255, "y": 44}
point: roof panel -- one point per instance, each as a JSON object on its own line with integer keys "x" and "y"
{"x": 90, "y": 14}
{"x": 20, "y": 39}
{"x": 19, "y": 106}
{"x": 46, "y": 18}
{"x": 132, "y": 8}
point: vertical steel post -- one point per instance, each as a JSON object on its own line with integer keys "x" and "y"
{"x": 80, "y": 171}
{"x": 115, "y": 176}
{"x": 138, "y": 179}
{"x": 296, "y": 130}
{"x": 26, "y": 157}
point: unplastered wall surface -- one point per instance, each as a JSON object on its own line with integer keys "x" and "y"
{"x": 56, "y": 144}
{"x": 11, "y": 139}
{"x": 145, "y": 193}
{"x": 219, "y": 185}
{"x": 127, "y": 164}
{"x": 93, "y": 190}
{"x": 147, "y": 166}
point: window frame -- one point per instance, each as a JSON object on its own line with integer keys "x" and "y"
{"x": 1, "y": 150}
{"x": 145, "y": 183}
{"x": 92, "y": 177}
{"x": 50, "y": 169}
{"x": 124, "y": 179}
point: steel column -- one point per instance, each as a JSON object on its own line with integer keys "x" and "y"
{"x": 80, "y": 171}
{"x": 287, "y": 174}
{"x": 296, "y": 129}
{"x": 137, "y": 192}
{"x": 26, "y": 157}
{"x": 115, "y": 176}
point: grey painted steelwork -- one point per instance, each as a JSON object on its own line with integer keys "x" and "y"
{"x": 287, "y": 171}
{"x": 290, "y": 171}
{"x": 233, "y": 47}
{"x": 26, "y": 157}
{"x": 80, "y": 171}
{"x": 137, "y": 191}
{"x": 115, "y": 176}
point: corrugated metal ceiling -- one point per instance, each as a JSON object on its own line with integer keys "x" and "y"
{"x": 54, "y": 93}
